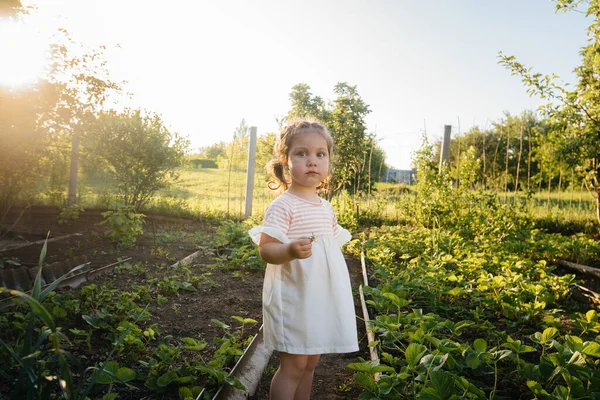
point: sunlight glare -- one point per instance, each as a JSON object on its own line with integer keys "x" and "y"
{"x": 23, "y": 57}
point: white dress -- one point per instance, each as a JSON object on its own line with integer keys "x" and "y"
{"x": 307, "y": 304}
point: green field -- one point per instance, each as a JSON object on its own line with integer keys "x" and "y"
{"x": 217, "y": 193}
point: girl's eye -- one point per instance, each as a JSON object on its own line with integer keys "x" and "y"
{"x": 302, "y": 153}
{"x": 321, "y": 155}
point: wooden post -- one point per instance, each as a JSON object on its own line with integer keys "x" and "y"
{"x": 250, "y": 171}
{"x": 483, "y": 183}
{"x": 458, "y": 158}
{"x": 72, "y": 199}
{"x": 517, "y": 185}
{"x": 445, "y": 151}
{"x": 506, "y": 165}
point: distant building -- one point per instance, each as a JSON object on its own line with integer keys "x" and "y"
{"x": 401, "y": 176}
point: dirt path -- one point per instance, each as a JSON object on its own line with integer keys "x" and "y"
{"x": 333, "y": 379}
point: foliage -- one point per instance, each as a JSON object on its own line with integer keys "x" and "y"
{"x": 235, "y": 154}
{"x": 24, "y": 136}
{"x": 99, "y": 317}
{"x": 202, "y": 163}
{"x": 475, "y": 316}
{"x": 264, "y": 152}
{"x": 42, "y": 362}
{"x": 125, "y": 225}
{"x": 348, "y": 127}
{"x": 573, "y": 113}
{"x": 39, "y": 122}
{"x": 304, "y": 103}
{"x": 466, "y": 304}
{"x": 69, "y": 213}
{"x": 362, "y": 158}
{"x": 213, "y": 151}
{"x": 235, "y": 247}
{"x": 138, "y": 151}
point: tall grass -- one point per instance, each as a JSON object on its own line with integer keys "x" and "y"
{"x": 208, "y": 192}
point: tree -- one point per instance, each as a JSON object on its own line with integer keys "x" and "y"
{"x": 213, "y": 151}
{"x": 345, "y": 121}
{"x": 264, "y": 151}
{"x": 139, "y": 152}
{"x": 9, "y": 7}
{"x": 24, "y": 138}
{"x": 348, "y": 128}
{"x": 305, "y": 104}
{"x": 574, "y": 114}
{"x": 235, "y": 155}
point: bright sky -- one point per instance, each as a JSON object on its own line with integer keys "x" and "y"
{"x": 205, "y": 65}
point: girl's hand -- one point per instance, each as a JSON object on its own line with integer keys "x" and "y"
{"x": 301, "y": 248}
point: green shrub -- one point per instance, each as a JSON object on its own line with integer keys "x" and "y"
{"x": 124, "y": 223}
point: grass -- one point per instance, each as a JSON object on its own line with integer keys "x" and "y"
{"x": 213, "y": 193}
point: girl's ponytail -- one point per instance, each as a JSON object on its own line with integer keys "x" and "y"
{"x": 275, "y": 171}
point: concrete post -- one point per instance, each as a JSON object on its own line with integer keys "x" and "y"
{"x": 445, "y": 152}
{"x": 250, "y": 171}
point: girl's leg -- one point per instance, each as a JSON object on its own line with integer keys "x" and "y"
{"x": 288, "y": 376}
{"x": 305, "y": 385}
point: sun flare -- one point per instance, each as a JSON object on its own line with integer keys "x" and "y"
{"x": 23, "y": 57}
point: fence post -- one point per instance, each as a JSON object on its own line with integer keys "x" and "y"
{"x": 72, "y": 199}
{"x": 445, "y": 152}
{"x": 250, "y": 172}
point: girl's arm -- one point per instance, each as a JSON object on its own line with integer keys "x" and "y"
{"x": 274, "y": 252}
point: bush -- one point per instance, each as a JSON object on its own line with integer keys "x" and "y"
{"x": 203, "y": 163}
{"x": 124, "y": 223}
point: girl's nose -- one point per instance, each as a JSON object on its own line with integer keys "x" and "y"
{"x": 312, "y": 160}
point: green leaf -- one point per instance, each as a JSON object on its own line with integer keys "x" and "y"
{"x": 43, "y": 252}
{"x": 110, "y": 396}
{"x": 166, "y": 379}
{"x": 233, "y": 381}
{"x": 549, "y": 334}
{"x": 591, "y": 349}
{"x": 365, "y": 381}
{"x": 575, "y": 385}
{"x": 443, "y": 382}
{"x": 220, "y": 324}
{"x": 480, "y": 345}
{"x": 414, "y": 352}
{"x": 429, "y": 394}
{"x": 38, "y": 309}
{"x": 368, "y": 396}
{"x": 537, "y": 389}
{"x": 185, "y": 393}
{"x": 434, "y": 363}
{"x": 90, "y": 320}
{"x": 473, "y": 360}
{"x": 125, "y": 374}
{"x": 193, "y": 344}
{"x": 370, "y": 367}
{"x": 590, "y": 316}
{"x": 109, "y": 370}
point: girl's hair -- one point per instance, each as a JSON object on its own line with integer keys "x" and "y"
{"x": 297, "y": 126}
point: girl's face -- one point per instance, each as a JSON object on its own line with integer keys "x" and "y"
{"x": 308, "y": 161}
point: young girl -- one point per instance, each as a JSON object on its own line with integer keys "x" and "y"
{"x": 308, "y": 308}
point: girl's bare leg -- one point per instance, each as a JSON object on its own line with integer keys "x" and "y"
{"x": 305, "y": 385}
{"x": 288, "y": 376}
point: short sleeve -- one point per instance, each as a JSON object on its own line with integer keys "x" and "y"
{"x": 342, "y": 236}
{"x": 276, "y": 224}
{"x": 278, "y": 217}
